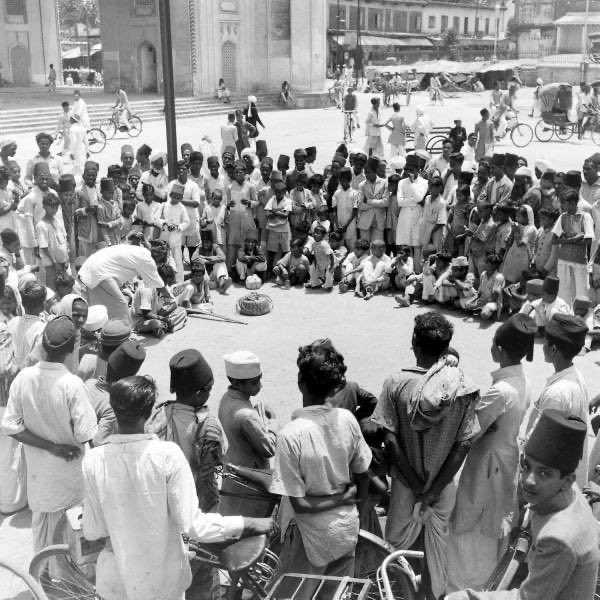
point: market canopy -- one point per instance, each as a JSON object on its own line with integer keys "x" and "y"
{"x": 373, "y": 40}
{"x": 71, "y": 53}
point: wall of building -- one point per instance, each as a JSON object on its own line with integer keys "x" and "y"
{"x": 536, "y": 42}
{"x": 252, "y": 45}
{"x": 438, "y": 17}
{"x": 570, "y": 38}
{"x": 29, "y": 43}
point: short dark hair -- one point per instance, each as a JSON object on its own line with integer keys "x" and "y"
{"x": 396, "y": 106}
{"x": 493, "y": 258}
{"x": 63, "y": 104}
{"x": 166, "y": 271}
{"x": 33, "y": 296}
{"x": 432, "y": 333}
{"x": 297, "y": 243}
{"x": 320, "y": 229}
{"x": 363, "y": 244}
{"x": 321, "y": 367}
{"x": 198, "y": 265}
{"x": 569, "y": 195}
{"x": 64, "y": 280}
{"x": 303, "y": 227}
{"x": 436, "y": 181}
{"x": 133, "y": 397}
{"x": 550, "y": 212}
{"x": 336, "y": 235}
{"x": 464, "y": 189}
{"x": 50, "y": 199}
{"x": 8, "y": 236}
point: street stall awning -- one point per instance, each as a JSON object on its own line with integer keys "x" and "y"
{"x": 374, "y": 40}
{"x": 72, "y": 53}
{"x": 579, "y": 19}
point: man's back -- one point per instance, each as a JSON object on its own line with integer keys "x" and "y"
{"x": 139, "y": 492}
{"x": 350, "y": 102}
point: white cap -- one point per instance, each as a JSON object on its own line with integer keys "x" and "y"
{"x": 542, "y": 165}
{"x": 242, "y": 365}
{"x": 397, "y": 163}
{"x": 252, "y": 99}
{"x": 97, "y": 317}
{"x": 524, "y": 171}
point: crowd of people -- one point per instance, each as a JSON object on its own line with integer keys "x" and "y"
{"x": 88, "y": 260}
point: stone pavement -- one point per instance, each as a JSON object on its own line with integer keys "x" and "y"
{"x": 375, "y": 336}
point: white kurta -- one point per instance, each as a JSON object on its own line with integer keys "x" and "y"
{"x": 78, "y": 148}
{"x": 410, "y": 197}
{"x": 486, "y": 496}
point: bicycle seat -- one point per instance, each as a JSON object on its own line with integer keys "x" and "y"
{"x": 243, "y": 554}
{"x": 260, "y": 478}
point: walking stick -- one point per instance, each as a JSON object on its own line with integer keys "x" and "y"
{"x": 196, "y": 312}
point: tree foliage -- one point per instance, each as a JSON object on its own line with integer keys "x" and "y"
{"x": 76, "y": 11}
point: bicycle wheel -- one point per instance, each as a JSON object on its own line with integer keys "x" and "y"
{"x": 543, "y": 131}
{"x": 96, "y": 140}
{"x": 16, "y": 583}
{"x": 521, "y": 135}
{"x": 564, "y": 132}
{"x": 595, "y": 133}
{"x": 55, "y": 570}
{"x": 135, "y": 126}
{"x": 109, "y": 129}
{"x": 435, "y": 144}
{"x": 370, "y": 553}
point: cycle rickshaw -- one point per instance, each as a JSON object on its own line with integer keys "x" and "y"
{"x": 556, "y": 100}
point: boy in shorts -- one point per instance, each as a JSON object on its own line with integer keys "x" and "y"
{"x": 278, "y": 209}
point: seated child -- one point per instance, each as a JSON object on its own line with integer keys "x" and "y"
{"x": 214, "y": 218}
{"x": 194, "y": 291}
{"x": 434, "y": 272}
{"x": 402, "y": 270}
{"x": 582, "y": 307}
{"x": 376, "y": 271}
{"x": 353, "y": 265}
{"x": 322, "y": 220}
{"x": 303, "y": 234}
{"x": 154, "y": 314}
{"x": 293, "y": 268}
{"x": 456, "y": 285}
{"x": 550, "y": 304}
{"x": 322, "y": 263}
{"x": 339, "y": 253}
{"x": 488, "y": 298}
{"x": 213, "y": 258}
{"x": 250, "y": 260}
{"x": 516, "y": 293}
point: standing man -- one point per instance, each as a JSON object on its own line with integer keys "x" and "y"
{"x": 78, "y": 146}
{"x": 229, "y": 133}
{"x": 52, "y": 79}
{"x": 49, "y": 411}
{"x": 427, "y": 435}
{"x": 499, "y": 187}
{"x": 373, "y": 203}
{"x": 486, "y": 498}
{"x": 251, "y": 431}
{"x": 105, "y": 271}
{"x": 566, "y": 390}
{"x": 564, "y": 556}
{"x": 127, "y": 159}
{"x": 374, "y": 145}
{"x": 484, "y": 131}
{"x": 63, "y": 127}
{"x": 80, "y": 108}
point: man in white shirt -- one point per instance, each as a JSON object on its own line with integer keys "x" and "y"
{"x": 80, "y": 108}
{"x": 156, "y": 176}
{"x": 229, "y": 133}
{"x": 173, "y": 220}
{"x": 49, "y": 411}
{"x": 140, "y": 493}
{"x": 106, "y": 270}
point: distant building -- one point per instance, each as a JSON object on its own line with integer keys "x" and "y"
{"x": 29, "y": 41}
{"x": 413, "y": 29}
{"x": 537, "y": 24}
{"x": 253, "y": 45}
{"x": 570, "y": 31}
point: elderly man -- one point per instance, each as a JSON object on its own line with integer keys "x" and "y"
{"x": 105, "y": 271}
{"x": 428, "y": 416}
{"x": 563, "y": 560}
{"x": 127, "y": 159}
{"x": 499, "y": 187}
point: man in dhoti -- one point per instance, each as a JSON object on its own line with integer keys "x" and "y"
{"x": 428, "y": 414}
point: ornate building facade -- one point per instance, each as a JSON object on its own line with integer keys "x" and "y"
{"x": 254, "y": 45}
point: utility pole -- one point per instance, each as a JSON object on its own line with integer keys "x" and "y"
{"x": 359, "y": 52}
{"x": 168, "y": 84}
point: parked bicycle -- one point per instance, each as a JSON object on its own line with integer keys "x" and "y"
{"x": 18, "y": 584}
{"x": 96, "y": 140}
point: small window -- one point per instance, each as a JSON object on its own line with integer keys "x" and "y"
{"x": 431, "y": 22}
{"x": 144, "y": 8}
{"x": 456, "y": 24}
{"x": 16, "y": 11}
{"x": 466, "y": 27}
{"x": 487, "y": 26}
{"x": 444, "y": 23}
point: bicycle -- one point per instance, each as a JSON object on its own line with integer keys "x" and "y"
{"x": 521, "y": 133}
{"x": 16, "y": 583}
{"x": 349, "y": 125}
{"x": 112, "y": 125}
{"x": 96, "y": 140}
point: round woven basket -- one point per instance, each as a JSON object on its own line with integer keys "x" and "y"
{"x": 254, "y": 305}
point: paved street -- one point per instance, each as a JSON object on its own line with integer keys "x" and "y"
{"x": 375, "y": 336}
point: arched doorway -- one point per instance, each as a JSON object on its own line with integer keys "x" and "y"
{"x": 147, "y": 62}
{"x": 19, "y": 65}
{"x": 229, "y": 65}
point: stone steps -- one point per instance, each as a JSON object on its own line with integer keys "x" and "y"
{"x": 36, "y": 120}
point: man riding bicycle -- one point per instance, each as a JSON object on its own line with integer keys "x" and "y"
{"x": 121, "y": 107}
{"x": 350, "y": 107}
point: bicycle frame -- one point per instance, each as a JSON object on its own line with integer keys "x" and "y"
{"x": 399, "y": 557}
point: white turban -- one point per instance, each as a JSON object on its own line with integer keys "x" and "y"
{"x": 542, "y": 165}
{"x": 524, "y": 172}
{"x": 397, "y": 163}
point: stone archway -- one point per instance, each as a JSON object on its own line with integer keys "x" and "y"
{"x": 229, "y": 65}
{"x": 19, "y": 65}
{"x": 148, "y": 67}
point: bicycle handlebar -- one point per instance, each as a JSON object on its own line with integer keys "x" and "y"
{"x": 399, "y": 556}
